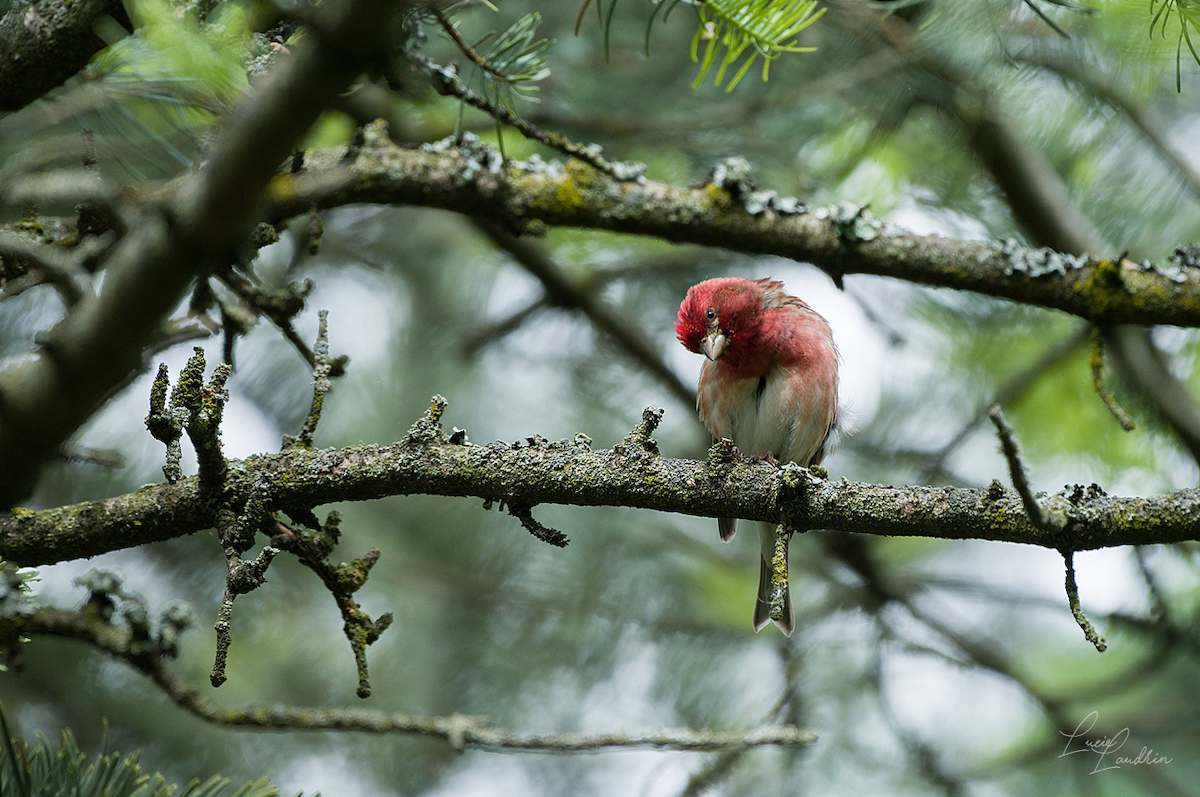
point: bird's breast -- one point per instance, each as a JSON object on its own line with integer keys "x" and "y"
{"x": 781, "y": 412}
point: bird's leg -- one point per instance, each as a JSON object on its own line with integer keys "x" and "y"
{"x": 767, "y": 457}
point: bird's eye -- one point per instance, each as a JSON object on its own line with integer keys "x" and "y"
{"x": 710, "y": 314}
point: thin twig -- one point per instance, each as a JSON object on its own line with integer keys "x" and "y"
{"x": 1134, "y": 350}
{"x": 458, "y": 730}
{"x": 280, "y": 309}
{"x": 461, "y": 43}
{"x": 322, "y": 365}
{"x": 1053, "y": 25}
{"x": 447, "y": 83}
{"x": 312, "y": 549}
{"x": 1008, "y": 445}
{"x": 1098, "y": 381}
{"x": 1073, "y": 599}
{"x": 546, "y": 534}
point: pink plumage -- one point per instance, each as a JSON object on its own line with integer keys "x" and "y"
{"x": 768, "y": 383}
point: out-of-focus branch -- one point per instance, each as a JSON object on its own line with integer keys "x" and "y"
{"x": 1041, "y": 202}
{"x": 47, "y": 41}
{"x": 44, "y": 398}
{"x": 1016, "y": 468}
{"x": 1094, "y": 79}
{"x": 457, "y": 730}
{"x": 1141, "y": 359}
{"x": 561, "y": 292}
{"x": 51, "y": 264}
{"x": 1006, "y": 394}
{"x": 685, "y": 258}
{"x": 1106, "y": 395}
{"x": 496, "y": 330}
{"x": 569, "y": 472}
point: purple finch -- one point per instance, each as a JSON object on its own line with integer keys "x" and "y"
{"x": 769, "y": 384}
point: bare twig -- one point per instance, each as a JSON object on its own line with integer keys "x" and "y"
{"x": 242, "y": 576}
{"x": 447, "y": 83}
{"x": 1043, "y": 519}
{"x": 1008, "y": 446}
{"x": 1073, "y": 599}
{"x": 1032, "y": 4}
{"x": 1135, "y": 352}
{"x": 523, "y": 513}
{"x": 322, "y": 365}
{"x": 342, "y": 581}
{"x": 280, "y": 307}
{"x": 1102, "y": 390}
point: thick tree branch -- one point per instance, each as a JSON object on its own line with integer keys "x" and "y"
{"x": 576, "y": 195}
{"x": 47, "y": 41}
{"x": 570, "y": 472}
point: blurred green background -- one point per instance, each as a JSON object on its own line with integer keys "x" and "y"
{"x": 926, "y": 667}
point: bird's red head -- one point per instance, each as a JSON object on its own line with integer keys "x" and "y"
{"x": 721, "y": 317}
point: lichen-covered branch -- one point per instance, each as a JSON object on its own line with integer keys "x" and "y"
{"x": 529, "y": 195}
{"x": 569, "y": 472}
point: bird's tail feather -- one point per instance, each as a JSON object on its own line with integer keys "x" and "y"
{"x": 727, "y": 526}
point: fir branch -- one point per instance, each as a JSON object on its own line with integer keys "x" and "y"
{"x": 765, "y": 28}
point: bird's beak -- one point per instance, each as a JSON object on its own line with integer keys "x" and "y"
{"x": 713, "y": 345}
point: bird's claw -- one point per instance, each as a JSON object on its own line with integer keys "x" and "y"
{"x": 767, "y": 457}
